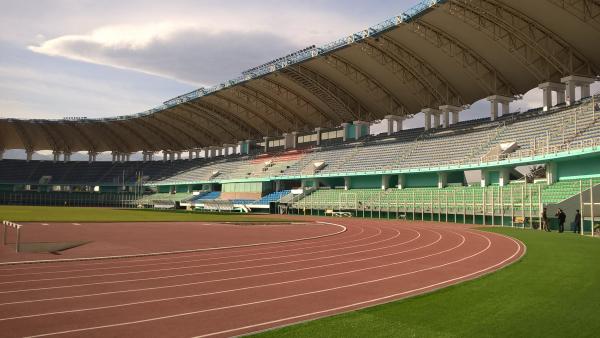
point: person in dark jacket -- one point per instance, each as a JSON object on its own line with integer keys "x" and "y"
{"x": 576, "y": 226}
{"x": 561, "y": 220}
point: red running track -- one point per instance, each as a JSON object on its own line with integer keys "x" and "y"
{"x": 242, "y": 290}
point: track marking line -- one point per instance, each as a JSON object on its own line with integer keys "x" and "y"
{"x": 174, "y": 252}
{"x": 241, "y": 289}
{"x": 236, "y": 278}
{"x": 186, "y": 261}
{"x": 179, "y": 275}
{"x": 296, "y": 295}
{"x": 142, "y": 259}
{"x": 372, "y": 302}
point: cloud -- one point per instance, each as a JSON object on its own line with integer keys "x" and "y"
{"x": 185, "y": 52}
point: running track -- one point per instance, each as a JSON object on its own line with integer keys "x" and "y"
{"x": 241, "y": 290}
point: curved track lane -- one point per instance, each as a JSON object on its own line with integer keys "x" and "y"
{"x": 246, "y": 289}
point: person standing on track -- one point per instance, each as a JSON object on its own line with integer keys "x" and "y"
{"x": 545, "y": 220}
{"x": 561, "y": 220}
{"x": 576, "y": 225}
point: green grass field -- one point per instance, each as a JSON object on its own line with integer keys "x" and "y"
{"x": 66, "y": 214}
{"x": 554, "y": 291}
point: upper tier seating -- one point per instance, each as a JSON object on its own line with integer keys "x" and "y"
{"x": 467, "y": 142}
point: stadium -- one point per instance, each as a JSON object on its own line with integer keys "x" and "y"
{"x": 297, "y": 192}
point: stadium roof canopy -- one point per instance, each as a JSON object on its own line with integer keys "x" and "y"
{"x": 444, "y": 52}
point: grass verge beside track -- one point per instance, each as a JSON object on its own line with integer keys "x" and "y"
{"x": 73, "y": 214}
{"x": 554, "y": 291}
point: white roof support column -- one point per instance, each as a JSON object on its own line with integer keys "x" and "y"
{"x": 266, "y": 147}
{"x": 446, "y": 111}
{"x": 436, "y": 117}
{"x": 442, "y": 180}
{"x": 347, "y": 182}
{"x": 227, "y": 147}
{"x": 547, "y": 89}
{"x": 290, "y": 140}
{"x": 437, "y": 121}
{"x": 573, "y": 81}
{"x": 401, "y": 181}
{"x": 29, "y": 154}
{"x": 390, "y": 120}
{"x": 502, "y": 100}
{"x": 359, "y": 130}
{"x": 165, "y": 155}
{"x": 385, "y": 182}
{"x": 319, "y": 132}
{"x": 504, "y": 177}
{"x": 66, "y": 156}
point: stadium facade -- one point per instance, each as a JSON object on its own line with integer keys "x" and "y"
{"x": 296, "y": 130}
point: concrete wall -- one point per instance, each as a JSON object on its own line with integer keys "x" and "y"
{"x": 421, "y": 180}
{"x": 365, "y": 182}
{"x": 580, "y": 168}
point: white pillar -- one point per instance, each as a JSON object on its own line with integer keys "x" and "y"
{"x": 585, "y": 91}
{"x": 401, "y": 181}
{"x": 428, "y": 113}
{"x": 547, "y": 89}
{"x": 288, "y": 141}
{"x": 574, "y": 81}
{"x": 127, "y": 157}
{"x": 551, "y": 172}
{"x": 442, "y": 180}
{"x": 447, "y": 110}
{"x": 390, "y": 120}
{"x": 266, "y": 147}
{"x": 504, "y": 177}
{"x": 358, "y": 129}
{"x": 385, "y": 182}
{"x": 436, "y": 120}
{"x": 29, "y": 154}
{"x": 294, "y": 139}
{"x": 319, "y": 132}
{"x": 165, "y": 155}
{"x": 502, "y": 100}
{"x": 560, "y": 97}
{"x": 570, "y": 93}
{"x": 485, "y": 178}
{"x": 347, "y": 181}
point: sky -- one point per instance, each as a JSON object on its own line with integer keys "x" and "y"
{"x": 74, "y": 58}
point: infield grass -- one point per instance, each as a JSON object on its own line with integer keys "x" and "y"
{"x": 553, "y": 291}
{"x": 72, "y": 214}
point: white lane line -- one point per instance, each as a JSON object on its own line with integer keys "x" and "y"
{"x": 289, "y": 296}
{"x": 75, "y": 223}
{"x": 187, "y": 274}
{"x": 374, "y": 301}
{"x": 238, "y": 289}
{"x": 178, "y": 257}
{"x": 240, "y": 277}
{"x": 177, "y": 251}
{"x": 45, "y": 224}
{"x": 187, "y": 266}
{"x": 182, "y": 261}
